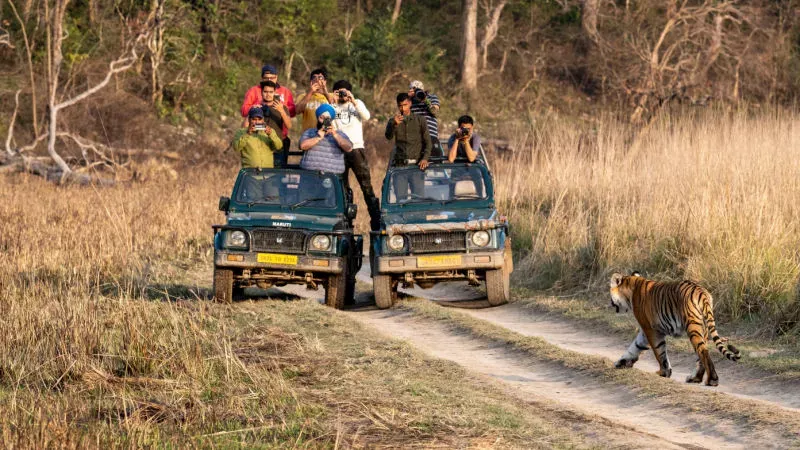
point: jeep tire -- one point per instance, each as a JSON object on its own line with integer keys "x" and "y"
{"x": 497, "y": 286}
{"x": 336, "y": 289}
{"x": 223, "y": 285}
{"x": 385, "y": 291}
{"x": 350, "y": 288}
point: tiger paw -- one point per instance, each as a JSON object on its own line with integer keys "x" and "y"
{"x": 712, "y": 382}
{"x": 666, "y": 373}
{"x": 694, "y": 380}
{"x": 625, "y": 363}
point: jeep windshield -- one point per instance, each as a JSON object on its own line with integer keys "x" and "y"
{"x": 288, "y": 189}
{"x": 436, "y": 184}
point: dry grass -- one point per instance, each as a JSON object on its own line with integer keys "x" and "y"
{"x": 107, "y": 339}
{"x": 711, "y": 196}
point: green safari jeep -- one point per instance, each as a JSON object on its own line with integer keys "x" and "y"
{"x": 440, "y": 224}
{"x": 287, "y": 226}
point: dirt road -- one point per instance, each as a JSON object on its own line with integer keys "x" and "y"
{"x": 640, "y": 422}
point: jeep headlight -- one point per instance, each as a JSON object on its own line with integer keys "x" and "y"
{"x": 237, "y": 239}
{"x": 321, "y": 242}
{"x": 481, "y": 238}
{"x": 396, "y": 242}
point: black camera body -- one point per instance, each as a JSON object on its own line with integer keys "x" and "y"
{"x": 342, "y": 94}
{"x": 463, "y": 131}
{"x": 327, "y": 123}
{"x": 420, "y": 95}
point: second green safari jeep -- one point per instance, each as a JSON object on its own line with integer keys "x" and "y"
{"x": 287, "y": 226}
{"x": 440, "y": 224}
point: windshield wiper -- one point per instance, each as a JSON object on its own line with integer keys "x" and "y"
{"x": 308, "y": 200}
{"x": 462, "y": 197}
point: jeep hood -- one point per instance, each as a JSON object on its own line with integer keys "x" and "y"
{"x": 283, "y": 220}
{"x": 438, "y": 215}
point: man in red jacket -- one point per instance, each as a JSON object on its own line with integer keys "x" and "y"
{"x": 253, "y": 98}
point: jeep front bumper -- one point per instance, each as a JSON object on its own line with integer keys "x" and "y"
{"x": 299, "y": 263}
{"x": 440, "y": 262}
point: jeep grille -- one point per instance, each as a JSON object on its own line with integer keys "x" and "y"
{"x": 284, "y": 241}
{"x": 440, "y": 241}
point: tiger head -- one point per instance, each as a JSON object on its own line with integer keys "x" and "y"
{"x": 621, "y": 288}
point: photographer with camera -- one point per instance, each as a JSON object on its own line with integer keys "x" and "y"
{"x": 324, "y": 145}
{"x": 350, "y": 115}
{"x": 465, "y": 142}
{"x": 257, "y": 143}
{"x": 316, "y": 95}
{"x": 425, "y": 104}
{"x": 412, "y": 142}
{"x": 276, "y": 114}
{"x": 253, "y": 97}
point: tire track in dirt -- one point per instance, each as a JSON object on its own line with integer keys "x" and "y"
{"x": 735, "y": 379}
{"x": 652, "y": 423}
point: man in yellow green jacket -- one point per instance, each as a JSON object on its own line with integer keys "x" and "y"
{"x": 258, "y": 142}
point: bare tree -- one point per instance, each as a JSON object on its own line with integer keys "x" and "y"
{"x": 469, "y": 51}
{"x": 492, "y": 26}
{"x": 29, "y": 54}
{"x": 54, "y": 16}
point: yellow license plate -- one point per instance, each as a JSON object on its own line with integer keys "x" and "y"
{"x": 274, "y": 258}
{"x": 439, "y": 261}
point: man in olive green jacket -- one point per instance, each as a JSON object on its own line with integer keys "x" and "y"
{"x": 258, "y": 142}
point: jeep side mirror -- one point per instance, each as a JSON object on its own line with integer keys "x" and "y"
{"x": 352, "y": 211}
{"x": 224, "y": 203}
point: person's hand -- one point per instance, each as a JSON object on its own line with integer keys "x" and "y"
{"x": 398, "y": 118}
{"x": 324, "y": 86}
{"x": 268, "y": 130}
{"x": 251, "y": 127}
{"x": 316, "y": 87}
{"x": 423, "y": 164}
{"x": 329, "y": 131}
{"x": 321, "y": 132}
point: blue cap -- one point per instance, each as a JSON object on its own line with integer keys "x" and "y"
{"x": 269, "y": 68}
{"x": 326, "y": 108}
{"x": 254, "y": 112}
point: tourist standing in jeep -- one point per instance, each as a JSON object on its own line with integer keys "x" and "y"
{"x": 350, "y": 115}
{"x": 324, "y": 145}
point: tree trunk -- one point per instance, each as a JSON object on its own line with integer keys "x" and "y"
{"x": 469, "y": 61}
{"x": 490, "y": 32}
{"x": 396, "y": 12}
{"x": 56, "y": 57}
{"x": 155, "y": 45}
{"x": 589, "y": 19}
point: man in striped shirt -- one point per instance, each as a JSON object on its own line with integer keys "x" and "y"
{"x": 426, "y": 104}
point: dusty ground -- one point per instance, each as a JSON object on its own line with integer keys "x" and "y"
{"x": 638, "y": 421}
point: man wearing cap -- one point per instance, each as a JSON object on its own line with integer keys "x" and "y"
{"x": 253, "y": 95}
{"x": 316, "y": 95}
{"x": 426, "y": 105}
{"x": 257, "y": 145}
{"x": 324, "y": 146}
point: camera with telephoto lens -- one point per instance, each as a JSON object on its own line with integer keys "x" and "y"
{"x": 327, "y": 123}
{"x": 420, "y": 95}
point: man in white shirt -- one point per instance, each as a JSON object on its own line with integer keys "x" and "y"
{"x": 350, "y": 114}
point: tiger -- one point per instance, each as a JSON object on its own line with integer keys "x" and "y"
{"x": 669, "y": 308}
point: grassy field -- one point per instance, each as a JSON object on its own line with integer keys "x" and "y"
{"x": 108, "y": 339}
{"x": 711, "y": 196}
{"x": 107, "y": 336}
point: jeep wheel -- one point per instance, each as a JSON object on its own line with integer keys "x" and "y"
{"x": 385, "y": 291}
{"x": 350, "y": 289}
{"x": 335, "y": 290}
{"x": 497, "y": 287}
{"x": 223, "y": 285}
